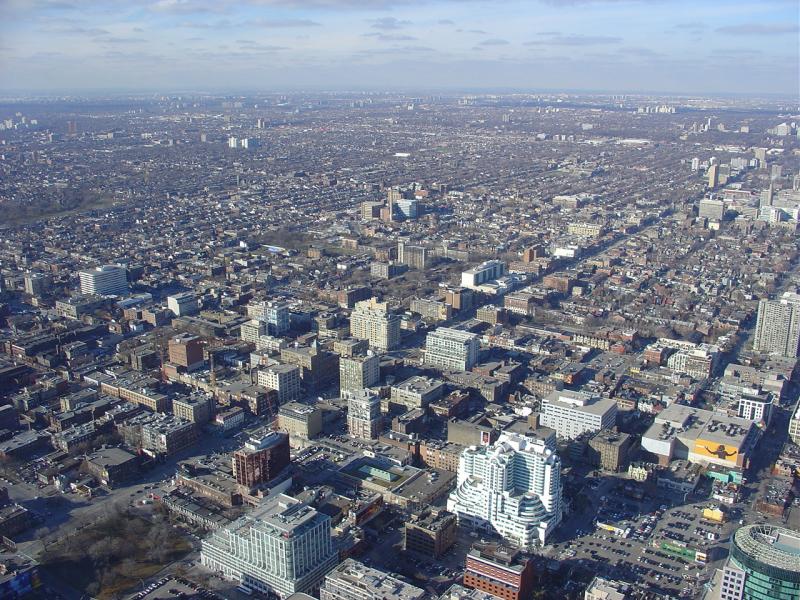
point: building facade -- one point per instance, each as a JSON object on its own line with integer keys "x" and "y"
{"x": 512, "y": 487}
{"x": 371, "y": 320}
{"x": 108, "y": 280}
{"x": 451, "y": 349}
{"x": 778, "y": 326}
{"x": 261, "y": 459}
{"x": 764, "y": 564}
{"x": 363, "y": 414}
{"x": 283, "y": 548}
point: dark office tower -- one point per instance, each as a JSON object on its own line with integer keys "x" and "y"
{"x": 261, "y": 459}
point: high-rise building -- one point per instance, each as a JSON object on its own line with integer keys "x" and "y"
{"x": 358, "y": 372}
{"x": 713, "y": 176}
{"x": 451, "y": 349}
{"x": 778, "y": 326}
{"x": 430, "y": 533}
{"x": 252, "y": 330}
{"x": 512, "y": 487}
{"x": 486, "y": 271}
{"x": 352, "y": 580}
{"x": 572, "y": 414}
{"x": 282, "y": 548}
{"x": 711, "y": 208}
{"x": 763, "y": 564}
{"x": 186, "y": 351}
{"x": 407, "y": 208}
{"x": 416, "y": 257}
{"x": 284, "y": 379}
{"x": 261, "y": 459}
{"x": 37, "y": 284}
{"x": 274, "y": 314}
{"x": 183, "y": 304}
{"x": 363, "y": 414}
{"x": 108, "y": 280}
{"x": 371, "y": 320}
{"x": 498, "y": 570}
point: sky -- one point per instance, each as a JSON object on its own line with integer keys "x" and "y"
{"x": 673, "y": 46}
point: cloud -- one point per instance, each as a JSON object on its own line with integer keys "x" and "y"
{"x": 391, "y": 37}
{"x": 122, "y": 40}
{"x": 693, "y": 27}
{"x": 758, "y": 29}
{"x": 284, "y": 23}
{"x": 220, "y": 24}
{"x": 445, "y": 22}
{"x": 494, "y": 42}
{"x": 76, "y": 30}
{"x": 389, "y": 23}
{"x": 188, "y": 7}
{"x": 574, "y": 40}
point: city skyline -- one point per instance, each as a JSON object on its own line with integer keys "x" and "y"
{"x": 604, "y": 45}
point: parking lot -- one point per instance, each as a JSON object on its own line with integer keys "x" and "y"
{"x": 170, "y": 588}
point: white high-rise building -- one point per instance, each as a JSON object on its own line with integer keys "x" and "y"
{"x": 252, "y": 330}
{"x": 274, "y": 314}
{"x": 486, "y": 271}
{"x": 283, "y": 548}
{"x": 778, "y": 326}
{"x": 512, "y": 487}
{"x": 451, "y": 349}
{"x": 285, "y": 379}
{"x": 363, "y": 414}
{"x": 183, "y": 304}
{"x": 371, "y": 320}
{"x": 108, "y": 280}
{"x": 572, "y": 414}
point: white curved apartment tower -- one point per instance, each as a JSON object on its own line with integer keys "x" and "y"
{"x": 512, "y": 487}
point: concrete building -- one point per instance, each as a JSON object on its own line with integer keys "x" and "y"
{"x": 512, "y": 488}
{"x": 415, "y": 257}
{"x": 607, "y": 589}
{"x": 416, "y": 392}
{"x": 501, "y": 571}
{"x": 197, "y": 408}
{"x": 430, "y": 534}
{"x": 186, "y": 351}
{"x": 352, "y": 580}
{"x": 108, "y": 280}
{"x": 610, "y": 450}
{"x": 794, "y": 424}
{"x": 484, "y": 272}
{"x": 371, "y": 320}
{"x": 274, "y": 314}
{"x": 778, "y": 326}
{"x": 252, "y": 331}
{"x": 711, "y": 209}
{"x": 701, "y": 436}
{"x": 300, "y": 420}
{"x": 261, "y": 459}
{"x": 572, "y": 414}
{"x": 363, "y": 414}
{"x": 451, "y": 349}
{"x": 432, "y": 310}
{"x": 284, "y": 379}
{"x": 183, "y": 304}
{"x": 282, "y": 548}
{"x": 358, "y": 372}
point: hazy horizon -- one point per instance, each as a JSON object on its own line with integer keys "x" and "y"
{"x": 605, "y": 46}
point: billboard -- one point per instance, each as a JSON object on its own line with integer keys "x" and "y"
{"x": 715, "y": 450}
